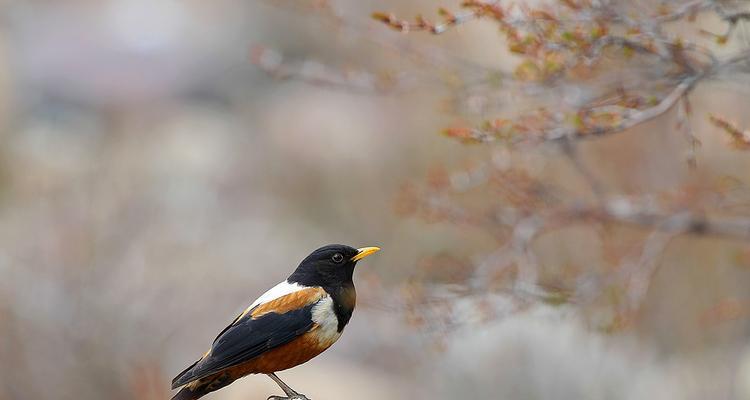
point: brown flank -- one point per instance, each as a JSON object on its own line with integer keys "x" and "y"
{"x": 292, "y": 301}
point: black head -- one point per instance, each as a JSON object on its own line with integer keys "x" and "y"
{"x": 330, "y": 266}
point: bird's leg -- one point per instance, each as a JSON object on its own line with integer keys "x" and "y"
{"x": 290, "y": 393}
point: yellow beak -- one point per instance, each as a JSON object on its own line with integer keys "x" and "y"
{"x": 364, "y": 252}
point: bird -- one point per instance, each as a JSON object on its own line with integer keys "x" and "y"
{"x": 286, "y": 326}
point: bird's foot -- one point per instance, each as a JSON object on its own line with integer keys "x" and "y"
{"x": 292, "y": 396}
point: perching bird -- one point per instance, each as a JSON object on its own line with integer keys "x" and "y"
{"x": 286, "y": 326}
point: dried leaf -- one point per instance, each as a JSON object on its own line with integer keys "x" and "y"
{"x": 740, "y": 138}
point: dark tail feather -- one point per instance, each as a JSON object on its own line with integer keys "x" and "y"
{"x": 187, "y": 394}
{"x": 203, "y": 387}
{"x": 184, "y": 377}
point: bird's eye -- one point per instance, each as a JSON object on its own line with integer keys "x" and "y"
{"x": 337, "y": 258}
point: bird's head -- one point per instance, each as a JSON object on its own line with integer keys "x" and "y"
{"x": 331, "y": 265}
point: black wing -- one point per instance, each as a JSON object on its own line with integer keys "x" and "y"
{"x": 248, "y": 338}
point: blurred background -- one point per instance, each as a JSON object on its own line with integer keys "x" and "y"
{"x": 155, "y": 178}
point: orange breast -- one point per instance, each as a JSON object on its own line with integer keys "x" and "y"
{"x": 294, "y": 353}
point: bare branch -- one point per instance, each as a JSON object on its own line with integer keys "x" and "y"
{"x": 626, "y": 211}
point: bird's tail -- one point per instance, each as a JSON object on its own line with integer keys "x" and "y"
{"x": 187, "y": 393}
{"x": 197, "y": 389}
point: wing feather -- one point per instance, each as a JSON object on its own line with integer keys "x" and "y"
{"x": 262, "y": 328}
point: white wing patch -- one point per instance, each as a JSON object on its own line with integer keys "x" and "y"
{"x": 327, "y": 321}
{"x": 282, "y": 289}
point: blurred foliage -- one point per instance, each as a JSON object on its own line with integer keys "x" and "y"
{"x": 165, "y": 162}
